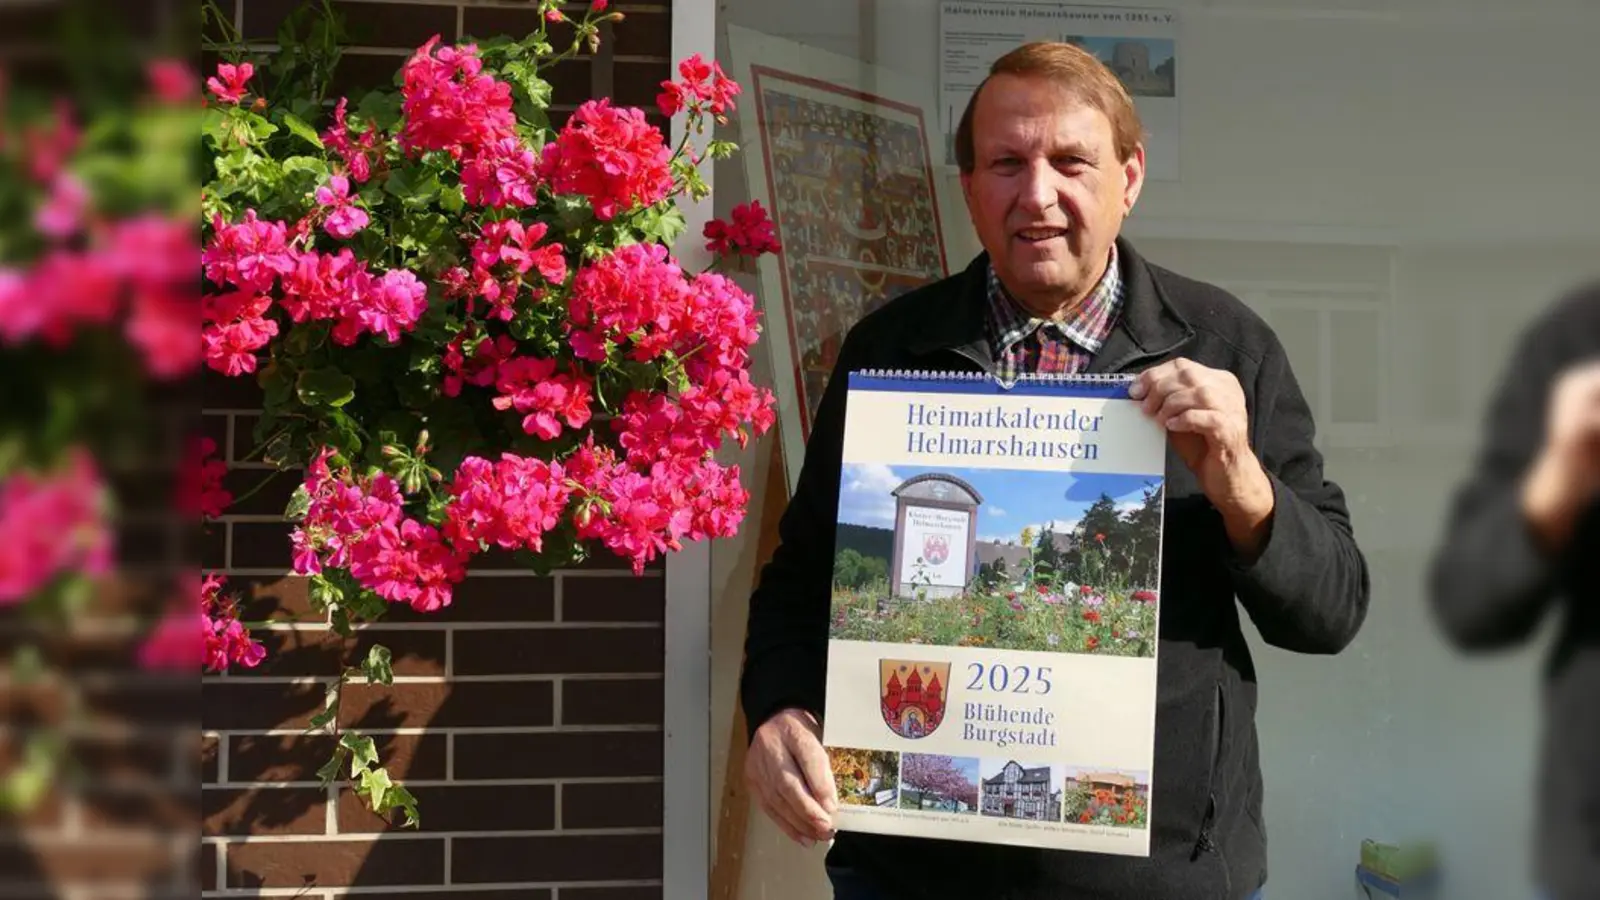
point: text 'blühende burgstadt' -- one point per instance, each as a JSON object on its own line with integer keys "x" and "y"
{"x": 1004, "y": 726}
{"x": 1024, "y": 433}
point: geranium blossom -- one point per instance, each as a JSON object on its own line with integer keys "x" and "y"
{"x": 451, "y": 104}
{"x": 750, "y": 232}
{"x": 511, "y": 503}
{"x": 704, "y": 84}
{"x": 228, "y": 85}
{"x": 51, "y": 524}
{"x": 504, "y": 174}
{"x": 358, "y": 150}
{"x": 200, "y": 474}
{"x": 610, "y": 155}
{"x": 531, "y": 386}
{"x": 344, "y": 217}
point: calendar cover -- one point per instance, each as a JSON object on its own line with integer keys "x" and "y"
{"x": 992, "y": 641}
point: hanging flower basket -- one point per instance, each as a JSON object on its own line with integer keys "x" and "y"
{"x": 469, "y": 330}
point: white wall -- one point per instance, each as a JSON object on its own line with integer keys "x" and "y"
{"x": 1437, "y": 157}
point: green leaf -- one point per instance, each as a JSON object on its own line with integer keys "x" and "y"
{"x": 400, "y": 798}
{"x": 363, "y": 752}
{"x": 298, "y": 127}
{"x": 375, "y": 786}
{"x": 324, "y": 593}
{"x": 325, "y": 387}
{"x": 721, "y": 149}
{"x": 452, "y": 199}
{"x": 379, "y": 666}
{"x": 330, "y": 769}
{"x": 341, "y": 622}
{"x": 380, "y": 108}
{"x": 662, "y": 222}
{"x": 325, "y": 718}
{"x": 299, "y": 503}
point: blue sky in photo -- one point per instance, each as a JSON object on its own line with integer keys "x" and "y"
{"x": 1161, "y": 49}
{"x": 967, "y": 766}
{"x": 1012, "y": 499}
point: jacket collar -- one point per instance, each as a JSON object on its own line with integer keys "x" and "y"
{"x": 1148, "y": 326}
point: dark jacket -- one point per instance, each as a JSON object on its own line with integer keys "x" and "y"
{"x": 1308, "y": 592}
{"x": 1491, "y": 587}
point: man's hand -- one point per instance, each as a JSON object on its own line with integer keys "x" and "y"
{"x": 1565, "y": 477}
{"x": 1204, "y": 413}
{"x": 787, "y": 769}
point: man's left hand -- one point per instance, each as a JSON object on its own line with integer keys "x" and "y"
{"x": 1204, "y": 414}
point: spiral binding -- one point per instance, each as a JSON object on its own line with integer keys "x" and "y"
{"x": 1030, "y": 378}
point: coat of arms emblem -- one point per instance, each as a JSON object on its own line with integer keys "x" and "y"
{"x": 911, "y": 695}
{"x": 935, "y": 549}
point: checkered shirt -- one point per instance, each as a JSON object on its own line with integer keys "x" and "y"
{"x": 1025, "y": 344}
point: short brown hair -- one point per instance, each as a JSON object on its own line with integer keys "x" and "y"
{"x": 1074, "y": 68}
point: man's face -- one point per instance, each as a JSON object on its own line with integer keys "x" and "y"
{"x": 1047, "y": 193}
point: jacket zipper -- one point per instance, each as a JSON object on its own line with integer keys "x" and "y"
{"x": 1206, "y": 842}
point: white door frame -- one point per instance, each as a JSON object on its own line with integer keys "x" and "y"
{"x": 686, "y": 739}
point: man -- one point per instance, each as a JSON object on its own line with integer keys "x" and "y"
{"x": 1051, "y": 163}
{"x": 1523, "y": 541}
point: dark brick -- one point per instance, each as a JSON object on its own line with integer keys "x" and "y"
{"x": 454, "y": 894}
{"x": 142, "y": 492}
{"x": 118, "y": 759}
{"x": 216, "y": 428}
{"x": 358, "y": 74}
{"x": 261, "y": 545}
{"x": 206, "y": 545}
{"x": 243, "y": 705}
{"x": 210, "y": 760}
{"x": 622, "y": 805}
{"x": 633, "y": 701}
{"x": 367, "y": 25}
{"x": 322, "y": 652}
{"x": 533, "y": 651}
{"x": 590, "y": 754}
{"x": 483, "y": 22}
{"x": 144, "y": 542}
{"x": 208, "y": 867}
{"x": 644, "y": 34}
{"x": 556, "y": 858}
{"x": 264, "y": 811}
{"x": 638, "y": 83}
{"x": 286, "y": 758}
{"x": 259, "y": 492}
{"x": 335, "y": 863}
{"x": 489, "y": 599}
{"x": 282, "y": 598}
{"x": 622, "y": 599}
{"x": 459, "y": 705}
{"x": 28, "y": 704}
{"x": 570, "y": 82}
{"x": 146, "y": 701}
{"x": 497, "y": 808}
{"x": 90, "y": 863}
{"x": 632, "y": 892}
{"x": 218, "y": 391}
{"x": 151, "y": 810}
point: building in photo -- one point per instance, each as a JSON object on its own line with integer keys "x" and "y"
{"x": 1020, "y": 792}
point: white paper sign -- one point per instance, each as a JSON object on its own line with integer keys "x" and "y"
{"x": 1139, "y": 44}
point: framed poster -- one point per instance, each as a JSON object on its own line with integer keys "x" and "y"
{"x": 837, "y": 151}
{"x": 1138, "y": 44}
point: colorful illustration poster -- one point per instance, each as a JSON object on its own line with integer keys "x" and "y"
{"x": 838, "y": 152}
{"x": 1139, "y": 44}
{"x": 992, "y": 646}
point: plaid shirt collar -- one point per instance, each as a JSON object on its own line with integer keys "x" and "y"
{"x": 1087, "y": 328}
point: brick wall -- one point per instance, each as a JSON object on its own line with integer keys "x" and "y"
{"x": 527, "y": 718}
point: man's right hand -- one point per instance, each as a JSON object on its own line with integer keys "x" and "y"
{"x": 787, "y": 769}
{"x": 1565, "y": 479}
